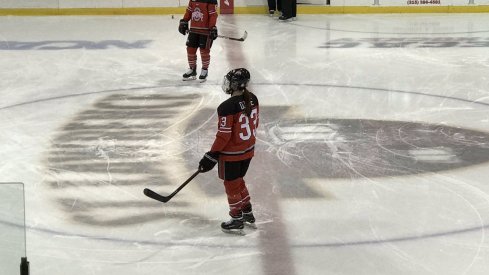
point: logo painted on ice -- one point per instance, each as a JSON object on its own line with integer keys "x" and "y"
{"x": 408, "y": 42}
{"x": 197, "y": 15}
{"x": 53, "y": 45}
{"x": 113, "y": 143}
{"x": 352, "y": 148}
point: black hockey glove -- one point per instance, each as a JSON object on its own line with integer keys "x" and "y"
{"x": 213, "y": 33}
{"x": 183, "y": 27}
{"x": 208, "y": 161}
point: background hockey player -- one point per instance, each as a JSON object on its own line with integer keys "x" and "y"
{"x": 233, "y": 147}
{"x": 289, "y": 10}
{"x": 274, "y": 5}
{"x": 202, "y": 32}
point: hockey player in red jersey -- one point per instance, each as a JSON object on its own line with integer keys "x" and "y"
{"x": 233, "y": 147}
{"x": 202, "y": 15}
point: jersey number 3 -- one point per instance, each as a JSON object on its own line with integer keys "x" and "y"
{"x": 244, "y": 120}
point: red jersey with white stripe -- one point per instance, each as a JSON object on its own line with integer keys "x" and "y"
{"x": 236, "y": 132}
{"x": 202, "y": 15}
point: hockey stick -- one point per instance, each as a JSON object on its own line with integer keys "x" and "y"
{"x": 235, "y": 39}
{"x": 152, "y": 194}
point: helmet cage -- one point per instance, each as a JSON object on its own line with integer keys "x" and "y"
{"x": 226, "y": 85}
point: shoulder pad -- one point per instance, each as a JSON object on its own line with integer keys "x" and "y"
{"x": 226, "y": 107}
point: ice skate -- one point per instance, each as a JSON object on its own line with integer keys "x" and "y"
{"x": 233, "y": 226}
{"x": 203, "y": 75}
{"x": 271, "y": 12}
{"x": 190, "y": 75}
{"x": 249, "y": 219}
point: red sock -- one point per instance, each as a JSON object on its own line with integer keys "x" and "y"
{"x": 233, "y": 191}
{"x": 245, "y": 195}
{"x": 205, "y": 54}
{"x": 192, "y": 57}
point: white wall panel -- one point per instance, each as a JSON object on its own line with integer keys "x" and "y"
{"x": 339, "y": 3}
{"x": 247, "y": 3}
{"x": 66, "y": 4}
{"x": 359, "y": 2}
{"x": 457, "y": 3}
{"x": 8, "y": 4}
{"x": 153, "y": 3}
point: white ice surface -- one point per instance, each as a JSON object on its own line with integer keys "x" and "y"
{"x": 427, "y": 223}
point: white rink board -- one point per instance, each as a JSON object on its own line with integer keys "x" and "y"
{"x": 358, "y": 3}
{"x": 401, "y": 3}
{"x": 340, "y": 3}
{"x": 66, "y": 4}
{"x": 248, "y": 3}
{"x": 32, "y": 4}
{"x": 151, "y": 3}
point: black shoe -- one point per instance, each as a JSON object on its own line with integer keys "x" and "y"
{"x": 235, "y": 225}
{"x": 190, "y": 74}
{"x": 284, "y": 18}
{"x": 271, "y": 12}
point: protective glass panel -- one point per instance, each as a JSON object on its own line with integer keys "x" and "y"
{"x": 12, "y": 227}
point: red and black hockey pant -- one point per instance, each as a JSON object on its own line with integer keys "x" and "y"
{"x": 204, "y": 43}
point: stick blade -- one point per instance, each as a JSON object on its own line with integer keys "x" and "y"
{"x": 155, "y": 196}
{"x": 244, "y": 36}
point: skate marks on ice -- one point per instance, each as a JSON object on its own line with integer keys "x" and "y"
{"x": 349, "y": 148}
{"x": 110, "y": 151}
{"x": 353, "y": 148}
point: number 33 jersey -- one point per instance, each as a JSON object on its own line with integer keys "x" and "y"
{"x": 236, "y": 132}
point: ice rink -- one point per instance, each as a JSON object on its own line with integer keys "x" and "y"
{"x": 372, "y": 152}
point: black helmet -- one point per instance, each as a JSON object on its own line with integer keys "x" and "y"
{"x": 236, "y": 80}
